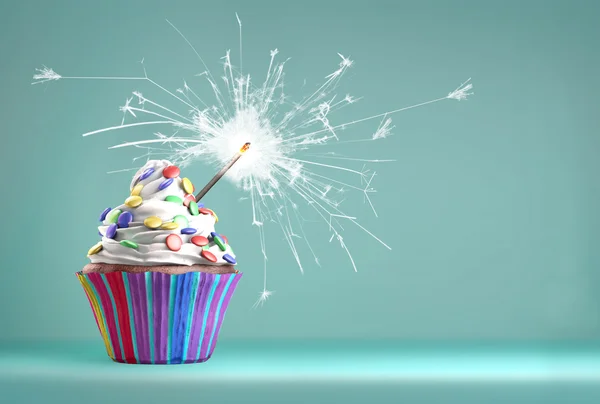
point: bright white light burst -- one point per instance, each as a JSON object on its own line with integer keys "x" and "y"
{"x": 276, "y": 181}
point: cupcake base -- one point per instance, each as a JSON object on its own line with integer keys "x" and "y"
{"x": 157, "y": 318}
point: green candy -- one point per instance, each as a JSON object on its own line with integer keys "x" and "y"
{"x": 219, "y": 241}
{"x": 130, "y": 244}
{"x": 113, "y": 216}
{"x": 181, "y": 221}
{"x": 175, "y": 199}
{"x": 206, "y": 247}
{"x": 194, "y": 208}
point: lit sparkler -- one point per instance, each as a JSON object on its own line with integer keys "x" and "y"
{"x": 221, "y": 173}
{"x": 274, "y": 178}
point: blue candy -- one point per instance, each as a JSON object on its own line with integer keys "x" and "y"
{"x": 111, "y": 232}
{"x": 104, "y": 213}
{"x": 213, "y": 234}
{"x": 229, "y": 258}
{"x": 200, "y": 205}
{"x": 188, "y": 230}
{"x": 124, "y": 219}
{"x": 147, "y": 173}
{"x": 165, "y": 184}
{"x": 100, "y": 233}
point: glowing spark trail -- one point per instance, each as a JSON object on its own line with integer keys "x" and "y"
{"x": 277, "y": 181}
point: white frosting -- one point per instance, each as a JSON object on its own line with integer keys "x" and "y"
{"x": 152, "y": 248}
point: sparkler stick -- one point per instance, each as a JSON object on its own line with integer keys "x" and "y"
{"x": 221, "y": 173}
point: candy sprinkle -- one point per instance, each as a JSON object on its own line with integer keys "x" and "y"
{"x": 224, "y": 238}
{"x": 165, "y": 184}
{"x": 208, "y": 255}
{"x": 147, "y": 173}
{"x": 124, "y": 219}
{"x": 111, "y": 231}
{"x": 133, "y": 201}
{"x": 104, "y": 213}
{"x": 171, "y": 172}
{"x": 113, "y": 216}
{"x": 188, "y": 198}
{"x": 153, "y": 222}
{"x": 218, "y": 241}
{"x": 187, "y": 185}
{"x": 175, "y": 199}
{"x": 193, "y": 208}
{"x": 169, "y": 226}
{"x": 205, "y": 211}
{"x": 200, "y": 241}
{"x": 128, "y": 243}
{"x": 188, "y": 230}
{"x": 137, "y": 190}
{"x": 181, "y": 221}
{"x": 174, "y": 242}
{"x": 229, "y": 259}
{"x": 95, "y": 249}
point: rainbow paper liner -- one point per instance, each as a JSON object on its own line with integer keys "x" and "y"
{"x": 156, "y": 318}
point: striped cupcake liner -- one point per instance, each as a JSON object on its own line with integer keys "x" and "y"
{"x": 155, "y": 318}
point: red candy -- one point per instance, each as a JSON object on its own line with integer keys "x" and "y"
{"x": 208, "y": 255}
{"x": 171, "y": 172}
{"x": 200, "y": 241}
{"x": 224, "y": 238}
{"x": 205, "y": 211}
{"x": 174, "y": 242}
{"x": 188, "y": 198}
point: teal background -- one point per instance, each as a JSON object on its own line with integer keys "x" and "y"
{"x": 490, "y": 208}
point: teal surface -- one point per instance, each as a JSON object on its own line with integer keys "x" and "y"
{"x": 310, "y": 371}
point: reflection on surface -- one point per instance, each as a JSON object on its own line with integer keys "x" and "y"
{"x": 293, "y": 361}
{"x": 292, "y": 372}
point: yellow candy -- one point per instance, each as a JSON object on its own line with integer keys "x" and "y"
{"x": 153, "y": 222}
{"x": 133, "y": 201}
{"x": 169, "y": 226}
{"x": 187, "y": 185}
{"x": 137, "y": 190}
{"x": 95, "y": 249}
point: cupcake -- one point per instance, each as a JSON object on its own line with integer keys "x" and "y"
{"x": 161, "y": 278}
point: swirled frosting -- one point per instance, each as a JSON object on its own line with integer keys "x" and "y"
{"x": 135, "y": 240}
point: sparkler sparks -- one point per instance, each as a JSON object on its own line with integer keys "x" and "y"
{"x": 276, "y": 181}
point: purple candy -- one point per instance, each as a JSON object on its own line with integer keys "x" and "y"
{"x": 111, "y": 231}
{"x": 188, "y": 230}
{"x": 229, "y": 258}
{"x": 124, "y": 219}
{"x": 165, "y": 184}
{"x": 147, "y": 173}
{"x": 100, "y": 233}
{"x": 200, "y": 205}
{"x": 104, "y": 213}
